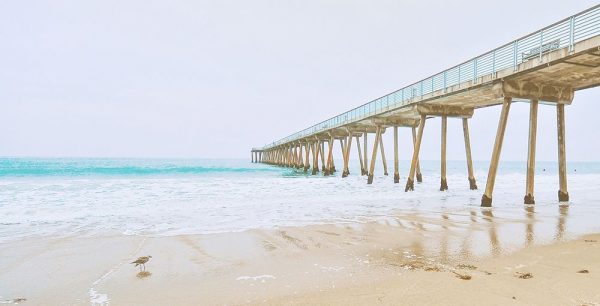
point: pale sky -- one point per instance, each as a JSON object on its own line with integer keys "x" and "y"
{"x": 202, "y": 79}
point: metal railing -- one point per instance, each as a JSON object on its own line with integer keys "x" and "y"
{"x": 564, "y": 33}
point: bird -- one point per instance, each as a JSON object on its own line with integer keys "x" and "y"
{"x": 141, "y": 261}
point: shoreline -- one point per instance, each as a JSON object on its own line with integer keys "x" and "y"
{"x": 352, "y": 263}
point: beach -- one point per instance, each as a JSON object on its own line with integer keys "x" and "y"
{"x": 327, "y": 264}
{"x": 225, "y": 233}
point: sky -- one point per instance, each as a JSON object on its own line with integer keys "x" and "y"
{"x": 212, "y": 79}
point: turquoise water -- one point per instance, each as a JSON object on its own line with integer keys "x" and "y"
{"x": 110, "y": 167}
{"x": 103, "y": 167}
{"x": 63, "y": 196}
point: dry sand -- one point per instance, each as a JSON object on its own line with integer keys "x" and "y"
{"x": 442, "y": 259}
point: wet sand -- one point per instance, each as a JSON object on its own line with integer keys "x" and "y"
{"x": 471, "y": 256}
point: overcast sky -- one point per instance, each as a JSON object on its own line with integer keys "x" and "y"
{"x": 215, "y": 78}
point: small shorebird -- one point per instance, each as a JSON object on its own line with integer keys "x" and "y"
{"x": 141, "y": 261}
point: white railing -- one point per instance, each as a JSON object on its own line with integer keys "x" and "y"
{"x": 564, "y": 33}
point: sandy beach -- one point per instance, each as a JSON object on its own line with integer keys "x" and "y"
{"x": 457, "y": 258}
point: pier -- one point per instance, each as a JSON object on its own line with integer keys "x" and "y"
{"x": 543, "y": 68}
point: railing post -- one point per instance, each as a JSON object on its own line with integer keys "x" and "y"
{"x": 541, "y": 43}
{"x": 475, "y": 71}
{"x": 444, "y": 80}
{"x": 571, "y": 33}
{"x": 494, "y": 63}
{"x": 515, "y": 49}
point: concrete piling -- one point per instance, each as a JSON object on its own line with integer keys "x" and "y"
{"x": 414, "y": 163}
{"x": 443, "y": 181}
{"x": 396, "y": 167}
{"x": 529, "y": 184}
{"x": 374, "y": 155}
{"x": 486, "y": 199}
{"x": 563, "y": 194}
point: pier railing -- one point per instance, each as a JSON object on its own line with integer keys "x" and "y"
{"x": 564, "y": 33}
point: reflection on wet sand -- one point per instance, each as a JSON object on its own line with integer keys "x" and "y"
{"x": 143, "y": 274}
{"x": 530, "y": 214}
{"x": 494, "y": 242}
{"x": 459, "y": 234}
{"x": 563, "y": 211}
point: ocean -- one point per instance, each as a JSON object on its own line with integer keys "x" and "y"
{"x": 57, "y": 197}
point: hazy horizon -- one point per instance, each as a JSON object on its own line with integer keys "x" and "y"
{"x": 190, "y": 79}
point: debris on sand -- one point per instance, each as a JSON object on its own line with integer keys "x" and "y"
{"x": 466, "y": 267}
{"x": 583, "y": 271}
{"x": 432, "y": 269}
{"x": 19, "y": 300}
{"x": 524, "y": 275}
{"x": 462, "y": 276}
{"x": 590, "y": 240}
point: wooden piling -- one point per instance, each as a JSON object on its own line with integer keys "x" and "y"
{"x": 486, "y": 199}
{"x": 529, "y": 183}
{"x": 414, "y": 163}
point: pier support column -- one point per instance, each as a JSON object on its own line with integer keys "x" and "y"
{"x": 360, "y": 159}
{"x": 374, "y": 155}
{"x": 307, "y": 156}
{"x": 396, "y": 170}
{"x": 300, "y": 163}
{"x": 472, "y": 182}
{"x": 383, "y": 159}
{"x": 529, "y": 184}
{"x": 414, "y": 136}
{"x": 315, "y": 150}
{"x": 348, "y": 147}
{"x": 252, "y": 156}
{"x": 415, "y": 158}
{"x": 443, "y": 181}
{"x": 486, "y": 199}
{"x": 366, "y": 159}
{"x": 322, "y": 152}
{"x": 294, "y": 161}
{"x": 563, "y": 194}
{"x": 328, "y": 169}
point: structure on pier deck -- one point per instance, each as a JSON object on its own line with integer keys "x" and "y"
{"x": 547, "y": 66}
